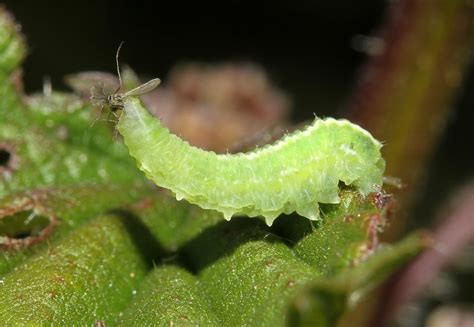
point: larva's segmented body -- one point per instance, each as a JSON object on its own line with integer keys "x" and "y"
{"x": 294, "y": 174}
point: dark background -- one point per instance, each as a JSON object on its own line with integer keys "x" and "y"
{"x": 305, "y": 46}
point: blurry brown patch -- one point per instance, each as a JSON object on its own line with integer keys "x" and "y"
{"x": 99, "y": 323}
{"x": 17, "y": 80}
{"x": 83, "y": 82}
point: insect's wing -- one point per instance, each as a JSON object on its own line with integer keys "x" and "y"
{"x": 98, "y": 95}
{"x": 82, "y": 82}
{"x": 144, "y": 88}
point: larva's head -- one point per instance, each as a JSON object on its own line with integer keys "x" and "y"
{"x": 361, "y": 152}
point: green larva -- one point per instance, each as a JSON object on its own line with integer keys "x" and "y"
{"x": 293, "y": 175}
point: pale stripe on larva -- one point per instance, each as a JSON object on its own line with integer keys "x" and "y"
{"x": 294, "y": 174}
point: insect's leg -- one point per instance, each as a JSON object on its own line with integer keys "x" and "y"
{"x": 108, "y": 121}
{"x": 117, "y": 118}
{"x": 115, "y": 132}
{"x": 98, "y": 117}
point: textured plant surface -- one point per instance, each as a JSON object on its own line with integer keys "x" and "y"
{"x": 85, "y": 239}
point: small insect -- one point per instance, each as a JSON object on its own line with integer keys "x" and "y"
{"x": 101, "y": 97}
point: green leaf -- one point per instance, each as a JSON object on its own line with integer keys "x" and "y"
{"x": 70, "y": 206}
{"x": 246, "y": 273}
{"x": 325, "y": 301}
{"x": 169, "y": 295}
{"x": 88, "y": 276}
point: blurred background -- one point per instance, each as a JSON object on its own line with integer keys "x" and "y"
{"x": 305, "y": 47}
{"x": 309, "y": 49}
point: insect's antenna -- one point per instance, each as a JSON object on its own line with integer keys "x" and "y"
{"x": 118, "y": 67}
